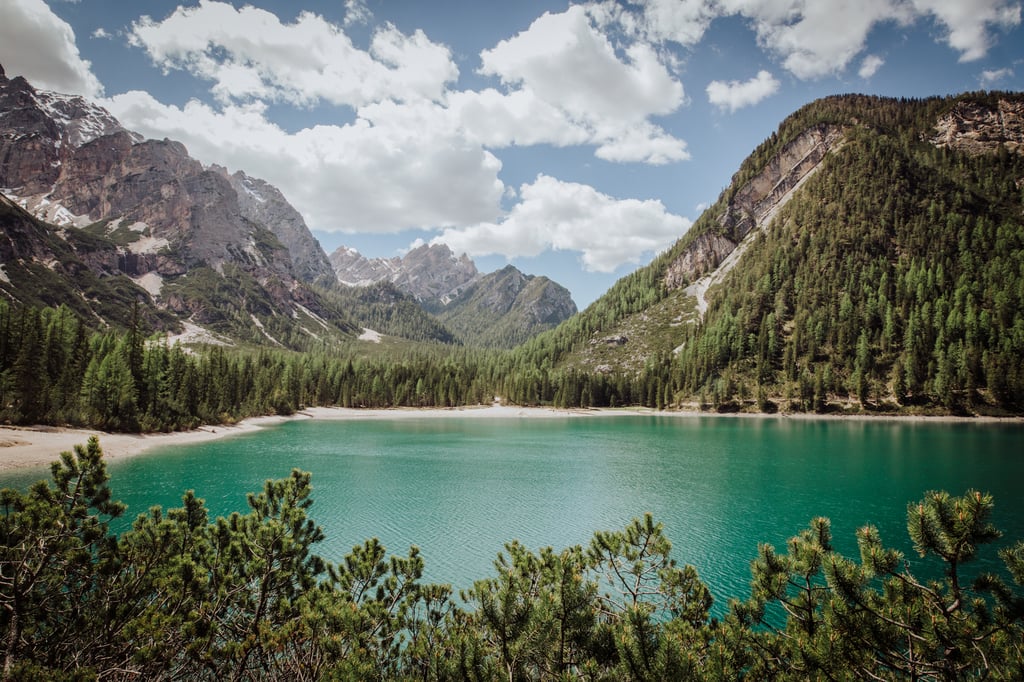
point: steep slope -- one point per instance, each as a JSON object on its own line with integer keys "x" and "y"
{"x": 183, "y": 231}
{"x": 263, "y": 204}
{"x": 42, "y": 266}
{"x": 869, "y": 255}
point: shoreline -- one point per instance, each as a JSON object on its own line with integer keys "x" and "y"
{"x": 29, "y": 447}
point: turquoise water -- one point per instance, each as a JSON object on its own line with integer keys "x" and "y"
{"x": 459, "y": 487}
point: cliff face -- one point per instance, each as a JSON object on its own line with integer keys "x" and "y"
{"x": 979, "y": 128}
{"x": 71, "y": 164}
{"x": 753, "y": 204}
{"x": 262, "y": 203}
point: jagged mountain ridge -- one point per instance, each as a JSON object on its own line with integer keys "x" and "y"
{"x": 499, "y": 309}
{"x": 430, "y": 273}
{"x": 870, "y": 253}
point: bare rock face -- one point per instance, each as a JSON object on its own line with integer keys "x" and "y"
{"x": 755, "y": 203}
{"x": 431, "y": 274}
{"x": 71, "y": 164}
{"x": 264, "y": 204}
{"x": 978, "y": 128}
{"x": 356, "y": 270}
{"x": 703, "y": 255}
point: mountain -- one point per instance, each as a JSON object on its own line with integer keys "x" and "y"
{"x": 868, "y": 256}
{"x": 498, "y": 310}
{"x": 262, "y": 203}
{"x": 505, "y": 308}
{"x": 225, "y": 252}
{"x": 429, "y": 273}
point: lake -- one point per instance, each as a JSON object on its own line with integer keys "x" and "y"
{"x": 460, "y": 487}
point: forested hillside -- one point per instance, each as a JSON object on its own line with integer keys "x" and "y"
{"x": 892, "y": 277}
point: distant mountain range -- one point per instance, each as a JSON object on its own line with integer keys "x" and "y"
{"x": 112, "y": 219}
{"x": 500, "y": 309}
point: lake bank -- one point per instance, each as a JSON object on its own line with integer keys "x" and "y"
{"x": 38, "y": 446}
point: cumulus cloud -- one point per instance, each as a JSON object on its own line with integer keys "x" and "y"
{"x": 967, "y": 23}
{"x": 870, "y": 66}
{"x": 682, "y": 22}
{"x": 736, "y": 95}
{"x": 358, "y": 177}
{"x": 567, "y": 216}
{"x": 566, "y": 69}
{"x": 249, "y": 53}
{"x": 814, "y": 39}
{"x": 39, "y": 45}
{"x": 356, "y": 12}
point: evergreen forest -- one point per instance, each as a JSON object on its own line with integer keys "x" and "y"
{"x": 182, "y": 597}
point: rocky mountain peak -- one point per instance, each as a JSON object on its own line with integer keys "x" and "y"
{"x": 430, "y": 273}
{"x": 264, "y": 204}
{"x": 182, "y": 230}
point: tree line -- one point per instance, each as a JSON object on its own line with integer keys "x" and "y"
{"x": 55, "y": 370}
{"x": 181, "y": 596}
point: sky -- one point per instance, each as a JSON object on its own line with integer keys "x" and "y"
{"x": 573, "y": 140}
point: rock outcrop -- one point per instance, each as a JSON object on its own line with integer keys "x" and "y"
{"x": 979, "y": 128}
{"x": 753, "y": 204}
{"x": 262, "y": 203}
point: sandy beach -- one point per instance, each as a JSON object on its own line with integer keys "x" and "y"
{"x": 38, "y": 446}
{"x": 24, "y": 447}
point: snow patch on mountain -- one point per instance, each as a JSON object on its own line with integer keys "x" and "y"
{"x": 81, "y": 120}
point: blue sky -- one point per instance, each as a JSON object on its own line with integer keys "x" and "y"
{"x": 574, "y": 140}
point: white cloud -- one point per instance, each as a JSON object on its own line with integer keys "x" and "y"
{"x": 565, "y": 84}
{"x": 359, "y": 177}
{"x": 681, "y": 21}
{"x": 968, "y": 23}
{"x": 39, "y": 45}
{"x": 821, "y": 37}
{"x": 818, "y": 38}
{"x": 870, "y": 66}
{"x": 566, "y": 216}
{"x": 568, "y": 63}
{"x": 356, "y": 12}
{"x": 249, "y": 53}
{"x": 736, "y": 95}
{"x": 101, "y": 33}
{"x": 990, "y": 77}
{"x": 568, "y": 71}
